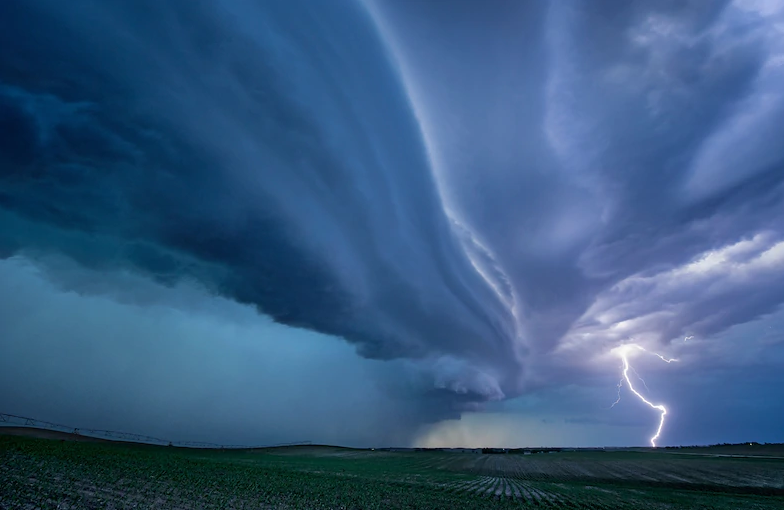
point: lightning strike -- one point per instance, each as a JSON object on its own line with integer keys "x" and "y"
{"x": 623, "y": 352}
{"x": 620, "y": 384}
{"x": 641, "y": 379}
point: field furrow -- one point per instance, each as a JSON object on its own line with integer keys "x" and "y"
{"x": 36, "y": 473}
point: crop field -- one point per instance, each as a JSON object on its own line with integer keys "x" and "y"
{"x": 49, "y": 473}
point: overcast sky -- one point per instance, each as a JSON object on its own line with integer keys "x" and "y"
{"x": 408, "y": 222}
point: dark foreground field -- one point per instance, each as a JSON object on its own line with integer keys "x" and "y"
{"x": 53, "y": 473}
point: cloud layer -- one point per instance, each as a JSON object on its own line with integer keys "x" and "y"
{"x": 267, "y": 151}
{"x": 644, "y": 143}
{"x": 487, "y": 199}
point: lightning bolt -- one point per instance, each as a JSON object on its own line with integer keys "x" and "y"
{"x": 640, "y": 378}
{"x": 623, "y": 352}
{"x": 620, "y": 383}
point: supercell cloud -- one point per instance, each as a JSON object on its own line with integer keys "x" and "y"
{"x": 267, "y": 151}
{"x": 483, "y": 200}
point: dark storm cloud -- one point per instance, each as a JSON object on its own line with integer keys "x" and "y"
{"x": 613, "y": 147}
{"x": 266, "y": 150}
{"x": 626, "y": 111}
{"x": 685, "y": 161}
{"x": 495, "y": 195}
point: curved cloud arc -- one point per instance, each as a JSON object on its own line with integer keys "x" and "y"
{"x": 245, "y": 145}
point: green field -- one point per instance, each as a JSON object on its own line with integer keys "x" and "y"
{"x": 47, "y": 473}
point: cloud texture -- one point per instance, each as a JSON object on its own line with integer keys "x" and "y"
{"x": 489, "y": 199}
{"x": 267, "y": 151}
{"x": 644, "y": 143}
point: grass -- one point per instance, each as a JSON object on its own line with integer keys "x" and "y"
{"x": 45, "y": 473}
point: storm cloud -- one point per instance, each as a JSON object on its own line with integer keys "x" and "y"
{"x": 483, "y": 200}
{"x": 184, "y": 140}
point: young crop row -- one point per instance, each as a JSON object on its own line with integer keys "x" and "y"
{"x": 632, "y": 467}
{"x": 533, "y": 495}
{"x": 38, "y": 474}
{"x": 538, "y": 494}
{"x": 84, "y": 476}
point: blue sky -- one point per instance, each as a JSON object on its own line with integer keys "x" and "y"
{"x": 408, "y": 222}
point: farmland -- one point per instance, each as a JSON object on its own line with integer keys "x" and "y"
{"x": 47, "y": 473}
